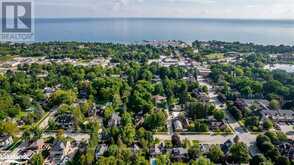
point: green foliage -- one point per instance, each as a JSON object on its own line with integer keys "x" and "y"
{"x": 239, "y": 153}
{"x": 202, "y": 161}
{"x": 194, "y": 151}
{"x": 37, "y": 159}
{"x": 9, "y": 128}
{"x": 215, "y": 153}
{"x": 219, "y": 115}
{"x": 198, "y": 110}
{"x": 267, "y": 124}
{"x": 155, "y": 120}
{"x": 274, "y": 104}
{"x": 63, "y": 97}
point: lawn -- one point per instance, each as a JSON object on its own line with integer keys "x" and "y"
{"x": 215, "y": 56}
{"x": 6, "y": 58}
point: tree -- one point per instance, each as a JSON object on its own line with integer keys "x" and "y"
{"x": 198, "y": 110}
{"x": 162, "y": 159}
{"x": 176, "y": 141}
{"x": 252, "y": 121}
{"x": 155, "y": 120}
{"x": 202, "y": 161}
{"x": 200, "y": 127}
{"x": 111, "y": 160}
{"x": 283, "y": 160}
{"x": 129, "y": 133}
{"x": 267, "y": 162}
{"x": 215, "y": 153}
{"x": 261, "y": 139}
{"x": 219, "y": 115}
{"x": 9, "y": 128}
{"x": 194, "y": 151}
{"x": 246, "y": 91}
{"x": 239, "y": 153}
{"x": 63, "y": 97}
{"x": 37, "y": 159}
{"x": 60, "y": 134}
{"x": 275, "y": 104}
{"x": 267, "y": 124}
{"x": 272, "y": 135}
{"x": 126, "y": 118}
{"x": 78, "y": 116}
{"x": 235, "y": 112}
{"x": 205, "y": 89}
{"x": 112, "y": 150}
{"x": 257, "y": 160}
{"x": 236, "y": 139}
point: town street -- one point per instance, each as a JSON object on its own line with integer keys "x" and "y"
{"x": 237, "y": 129}
{"x": 75, "y": 136}
{"x": 202, "y": 139}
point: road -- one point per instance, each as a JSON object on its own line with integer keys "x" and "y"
{"x": 44, "y": 123}
{"x": 240, "y": 131}
{"x": 203, "y": 139}
{"x": 237, "y": 129}
{"x": 76, "y": 136}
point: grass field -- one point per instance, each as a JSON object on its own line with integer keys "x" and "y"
{"x": 215, "y": 56}
{"x": 6, "y": 58}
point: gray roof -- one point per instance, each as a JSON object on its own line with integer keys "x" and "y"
{"x": 58, "y": 145}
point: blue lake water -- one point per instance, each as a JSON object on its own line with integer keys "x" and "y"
{"x": 129, "y": 30}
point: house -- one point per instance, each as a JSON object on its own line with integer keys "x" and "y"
{"x": 156, "y": 79}
{"x": 215, "y": 125}
{"x": 154, "y": 151}
{"x": 114, "y": 120}
{"x": 135, "y": 148}
{"x": 179, "y": 153}
{"x": 92, "y": 111}
{"x": 20, "y": 123}
{"x": 285, "y": 116}
{"x": 226, "y": 146}
{"x": 65, "y": 120}
{"x": 59, "y": 152}
{"x": 5, "y": 141}
{"x": 48, "y": 91}
{"x": 240, "y": 103}
{"x": 204, "y": 72}
{"x": 37, "y": 145}
{"x": 176, "y": 108}
{"x": 159, "y": 99}
{"x": 221, "y": 97}
{"x": 34, "y": 148}
{"x": 100, "y": 150}
{"x": 286, "y": 57}
{"x": 201, "y": 95}
{"x": 190, "y": 78}
{"x": 185, "y": 123}
{"x": 287, "y": 149}
{"x": 139, "y": 120}
{"x": 259, "y": 104}
{"x": 178, "y": 125}
{"x": 204, "y": 148}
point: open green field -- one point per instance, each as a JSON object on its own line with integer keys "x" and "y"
{"x": 6, "y": 58}
{"x": 215, "y": 56}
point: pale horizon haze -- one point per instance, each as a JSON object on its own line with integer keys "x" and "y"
{"x": 227, "y": 9}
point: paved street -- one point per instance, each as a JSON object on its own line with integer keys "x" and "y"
{"x": 76, "y": 136}
{"x": 203, "y": 139}
{"x": 244, "y": 136}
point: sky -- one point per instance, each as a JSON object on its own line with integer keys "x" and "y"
{"x": 240, "y": 9}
